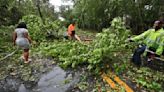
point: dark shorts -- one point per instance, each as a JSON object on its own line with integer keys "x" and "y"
{"x": 73, "y": 33}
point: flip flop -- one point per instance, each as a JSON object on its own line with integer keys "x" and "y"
{"x": 29, "y": 60}
{"x": 26, "y": 62}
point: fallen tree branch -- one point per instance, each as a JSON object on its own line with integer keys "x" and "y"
{"x": 87, "y": 39}
{"x": 9, "y": 55}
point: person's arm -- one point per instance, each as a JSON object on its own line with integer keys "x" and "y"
{"x": 69, "y": 30}
{"x": 78, "y": 38}
{"x": 141, "y": 36}
{"x": 160, "y": 48}
{"x": 28, "y": 37}
{"x": 14, "y": 37}
{"x": 69, "y": 33}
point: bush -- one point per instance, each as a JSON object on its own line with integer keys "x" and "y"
{"x": 34, "y": 25}
{"x": 38, "y": 31}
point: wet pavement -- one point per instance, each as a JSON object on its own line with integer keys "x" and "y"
{"x": 56, "y": 80}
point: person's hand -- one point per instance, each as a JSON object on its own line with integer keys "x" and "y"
{"x": 152, "y": 57}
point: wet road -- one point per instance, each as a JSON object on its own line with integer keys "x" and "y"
{"x": 56, "y": 80}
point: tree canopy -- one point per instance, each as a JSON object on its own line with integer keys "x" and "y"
{"x": 13, "y": 10}
{"x": 139, "y": 13}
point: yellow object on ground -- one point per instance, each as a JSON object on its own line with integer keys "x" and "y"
{"x": 117, "y": 80}
{"x": 109, "y": 81}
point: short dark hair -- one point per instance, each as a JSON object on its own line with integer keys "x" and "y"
{"x": 22, "y": 25}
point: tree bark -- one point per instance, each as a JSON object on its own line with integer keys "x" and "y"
{"x": 39, "y": 10}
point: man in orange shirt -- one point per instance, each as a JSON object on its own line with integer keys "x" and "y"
{"x": 71, "y": 32}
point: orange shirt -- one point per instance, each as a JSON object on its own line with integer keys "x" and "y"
{"x": 71, "y": 28}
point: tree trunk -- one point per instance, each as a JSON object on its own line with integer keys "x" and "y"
{"x": 19, "y": 2}
{"x": 39, "y": 10}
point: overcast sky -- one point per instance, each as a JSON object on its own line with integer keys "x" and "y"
{"x": 58, "y": 3}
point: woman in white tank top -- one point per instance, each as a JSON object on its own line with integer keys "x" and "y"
{"x": 22, "y": 39}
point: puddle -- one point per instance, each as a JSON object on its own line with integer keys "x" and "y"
{"x": 56, "y": 80}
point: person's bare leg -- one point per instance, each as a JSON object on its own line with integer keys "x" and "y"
{"x": 78, "y": 38}
{"x": 26, "y": 55}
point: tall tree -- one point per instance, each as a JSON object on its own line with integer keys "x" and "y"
{"x": 98, "y": 14}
